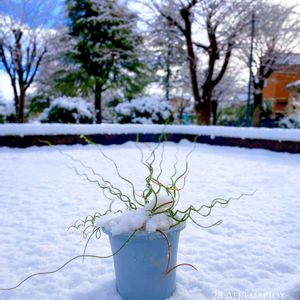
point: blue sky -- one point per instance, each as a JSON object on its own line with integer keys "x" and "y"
{"x": 46, "y": 13}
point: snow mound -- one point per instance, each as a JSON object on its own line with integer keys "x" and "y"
{"x": 140, "y": 219}
{"x": 68, "y": 110}
{"x": 145, "y": 110}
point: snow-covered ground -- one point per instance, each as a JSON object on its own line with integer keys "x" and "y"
{"x": 254, "y": 254}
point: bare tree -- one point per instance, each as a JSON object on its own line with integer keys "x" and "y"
{"x": 277, "y": 32}
{"x": 167, "y": 53}
{"x": 222, "y": 22}
{"x": 21, "y": 56}
{"x": 22, "y": 46}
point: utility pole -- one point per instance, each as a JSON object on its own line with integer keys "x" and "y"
{"x": 248, "y": 117}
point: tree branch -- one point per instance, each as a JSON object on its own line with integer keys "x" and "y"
{"x": 225, "y": 64}
{"x": 30, "y": 59}
{"x": 191, "y": 4}
{"x": 4, "y": 61}
{"x": 35, "y": 69}
{"x": 170, "y": 19}
{"x": 199, "y": 45}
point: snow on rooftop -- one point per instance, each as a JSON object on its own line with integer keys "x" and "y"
{"x": 253, "y": 254}
{"x": 288, "y": 59}
{"x": 293, "y": 84}
{"x": 88, "y": 129}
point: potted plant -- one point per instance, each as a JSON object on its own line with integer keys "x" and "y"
{"x": 144, "y": 235}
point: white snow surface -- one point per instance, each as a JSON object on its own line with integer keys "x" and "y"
{"x": 82, "y": 107}
{"x": 254, "y": 253}
{"x": 139, "y": 219}
{"x": 212, "y": 131}
{"x": 293, "y": 84}
{"x": 155, "y": 106}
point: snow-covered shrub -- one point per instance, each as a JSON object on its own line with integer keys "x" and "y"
{"x": 292, "y": 121}
{"x": 68, "y": 110}
{"x": 144, "y": 110}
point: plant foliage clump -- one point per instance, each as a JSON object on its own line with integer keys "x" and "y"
{"x": 149, "y": 198}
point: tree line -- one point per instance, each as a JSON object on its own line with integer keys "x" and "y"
{"x": 121, "y": 48}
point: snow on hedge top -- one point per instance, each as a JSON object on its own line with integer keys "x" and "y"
{"x": 70, "y": 103}
{"x": 144, "y": 110}
{"x": 87, "y": 129}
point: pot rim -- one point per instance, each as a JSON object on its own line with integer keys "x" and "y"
{"x": 142, "y": 234}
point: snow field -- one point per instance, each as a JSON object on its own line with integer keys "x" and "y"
{"x": 255, "y": 250}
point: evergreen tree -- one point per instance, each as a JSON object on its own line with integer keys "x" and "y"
{"x": 107, "y": 44}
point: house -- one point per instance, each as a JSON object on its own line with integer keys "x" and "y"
{"x": 286, "y": 71}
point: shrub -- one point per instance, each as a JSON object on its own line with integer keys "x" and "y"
{"x": 38, "y": 104}
{"x": 145, "y": 110}
{"x": 68, "y": 110}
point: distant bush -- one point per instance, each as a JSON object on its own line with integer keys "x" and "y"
{"x": 292, "y": 121}
{"x": 231, "y": 115}
{"x": 144, "y": 110}
{"x": 38, "y": 104}
{"x": 235, "y": 115}
{"x": 68, "y": 110}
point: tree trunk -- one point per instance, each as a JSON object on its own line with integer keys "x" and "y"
{"x": 258, "y": 86}
{"x": 206, "y": 104}
{"x": 258, "y": 98}
{"x": 192, "y": 63}
{"x": 21, "y": 104}
{"x": 168, "y": 75}
{"x": 214, "y": 110}
{"x": 98, "y": 104}
{"x": 16, "y": 98}
{"x": 168, "y": 72}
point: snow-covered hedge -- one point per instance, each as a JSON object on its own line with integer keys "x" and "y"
{"x": 144, "y": 110}
{"x": 292, "y": 121}
{"x": 68, "y": 110}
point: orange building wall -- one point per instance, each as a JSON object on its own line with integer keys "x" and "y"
{"x": 276, "y": 85}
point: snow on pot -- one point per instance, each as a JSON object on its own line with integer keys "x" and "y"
{"x": 141, "y": 266}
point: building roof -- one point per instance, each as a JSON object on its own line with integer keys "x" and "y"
{"x": 294, "y": 84}
{"x": 290, "y": 59}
